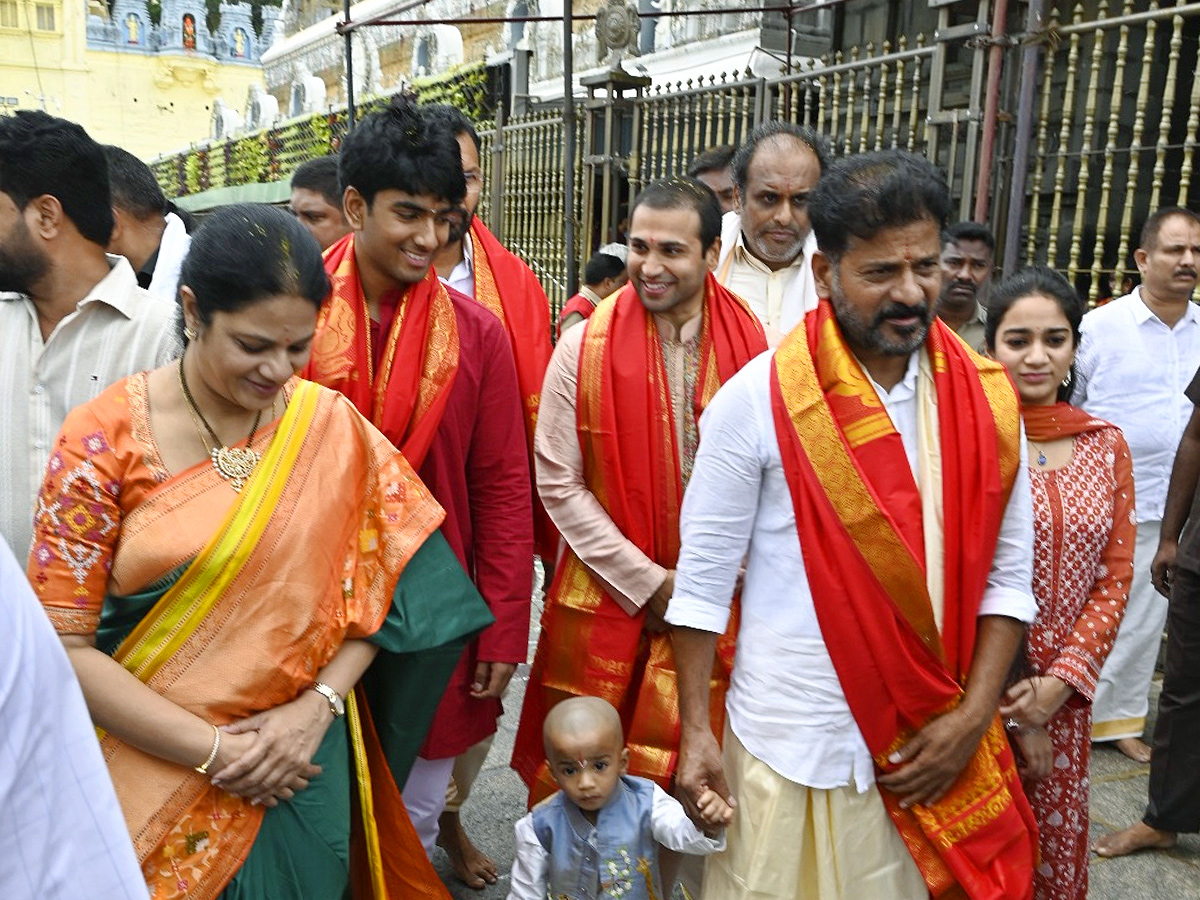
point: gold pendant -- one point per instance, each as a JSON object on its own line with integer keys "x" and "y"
{"x": 236, "y": 464}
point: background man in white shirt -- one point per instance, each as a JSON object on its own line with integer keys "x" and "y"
{"x": 1136, "y": 358}
{"x": 767, "y": 242}
{"x": 147, "y": 230}
{"x": 72, "y": 319}
{"x": 800, "y": 758}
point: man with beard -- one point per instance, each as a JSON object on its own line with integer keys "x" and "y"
{"x": 72, "y": 319}
{"x": 477, "y": 265}
{"x": 967, "y": 259}
{"x": 1136, "y": 358}
{"x": 615, "y": 444}
{"x": 441, "y": 385}
{"x": 767, "y": 243}
{"x": 873, "y": 470}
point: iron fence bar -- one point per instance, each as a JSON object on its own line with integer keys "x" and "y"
{"x": 1166, "y": 12}
{"x": 1016, "y": 204}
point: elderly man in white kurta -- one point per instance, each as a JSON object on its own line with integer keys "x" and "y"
{"x": 767, "y": 241}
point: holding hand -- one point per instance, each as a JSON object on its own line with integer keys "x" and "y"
{"x": 700, "y": 777}
{"x": 715, "y": 811}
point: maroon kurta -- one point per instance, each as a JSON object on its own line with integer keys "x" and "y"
{"x": 477, "y": 468}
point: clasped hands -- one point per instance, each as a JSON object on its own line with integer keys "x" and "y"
{"x": 267, "y": 757}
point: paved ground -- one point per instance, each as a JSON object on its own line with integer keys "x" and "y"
{"x": 1118, "y": 798}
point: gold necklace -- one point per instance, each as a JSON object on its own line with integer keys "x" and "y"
{"x": 234, "y": 464}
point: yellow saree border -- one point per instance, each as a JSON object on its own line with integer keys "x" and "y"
{"x": 362, "y": 774}
{"x": 179, "y": 612}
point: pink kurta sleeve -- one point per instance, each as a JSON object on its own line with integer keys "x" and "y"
{"x": 629, "y": 576}
{"x": 1095, "y": 630}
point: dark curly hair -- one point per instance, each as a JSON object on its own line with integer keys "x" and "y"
{"x": 400, "y": 148}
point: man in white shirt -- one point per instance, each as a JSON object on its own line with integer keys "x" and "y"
{"x": 146, "y": 229}
{"x": 767, "y": 242}
{"x": 1136, "y": 358}
{"x": 870, "y": 474}
{"x": 72, "y": 319}
{"x": 63, "y": 837}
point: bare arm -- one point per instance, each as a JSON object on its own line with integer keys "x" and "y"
{"x": 932, "y": 760}
{"x": 700, "y": 766}
{"x": 1184, "y": 476}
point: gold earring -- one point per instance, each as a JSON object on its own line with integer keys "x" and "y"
{"x": 190, "y": 333}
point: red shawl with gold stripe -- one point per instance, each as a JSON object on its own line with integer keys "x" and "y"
{"x": 406, "y": 398}
{"x": 859, "y": 511}
{"x": 508, "y": 287}
{"x": 631, "y": 463}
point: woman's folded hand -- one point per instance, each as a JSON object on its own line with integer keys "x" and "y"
{"x": 270, "y": 753}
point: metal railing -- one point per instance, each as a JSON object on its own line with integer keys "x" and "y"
{"x": 1115, "y": 131}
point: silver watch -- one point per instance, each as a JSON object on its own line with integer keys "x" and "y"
{"x": 336, "y": 706}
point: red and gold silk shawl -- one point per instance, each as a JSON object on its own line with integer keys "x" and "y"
{"x": 1059, "y": 420}
{"x": 578, "y": 304}
{"x": 631, "y": 464}
{"x": 507, "y": 286}
{"x": 302, "y": 580}
{"x": 406, "y": 398}
{"x": 858, "y": 511}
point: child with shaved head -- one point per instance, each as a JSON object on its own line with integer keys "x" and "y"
{"x": 599, "y": 836}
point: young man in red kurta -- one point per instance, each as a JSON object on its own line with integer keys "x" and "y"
{"x": 434, "y": 371}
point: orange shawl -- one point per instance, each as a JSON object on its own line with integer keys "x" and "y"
{"x": 406, "y": 398}
{"x": 589, "y": 644}
{"x": 859, "y": 511}
{"x": 339, "y": 568}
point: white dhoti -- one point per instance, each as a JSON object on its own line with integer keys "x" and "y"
{"x": 791, "y": 842}
{"x": 1122, "y": 693}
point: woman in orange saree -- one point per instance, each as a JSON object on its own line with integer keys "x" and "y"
{"x": 225, "y": 550}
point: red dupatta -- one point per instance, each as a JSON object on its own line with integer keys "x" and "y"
{"x": 631, "y": 464}
{"x": 406, "y": 398}
{"x": 508, "y": 287}
{"x": 1059, "y": 420}
{"x": 579, "y": 305}
{"x": 859, "y": 511}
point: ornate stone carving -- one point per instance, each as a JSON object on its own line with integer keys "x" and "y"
{"x": 617, "y": 27}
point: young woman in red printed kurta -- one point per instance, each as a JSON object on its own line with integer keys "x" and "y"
{"x": 1084, "y": 529}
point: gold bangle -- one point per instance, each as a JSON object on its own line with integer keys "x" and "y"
{"x": 203, "y": 769}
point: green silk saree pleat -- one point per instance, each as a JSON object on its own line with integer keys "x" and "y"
{"x": 435, "y": 611}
